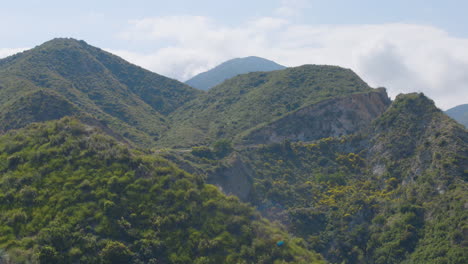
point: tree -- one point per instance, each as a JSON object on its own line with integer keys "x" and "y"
{"x": 48, "y": 255}
{"x": 116, "y": 253}
{"x": 222, "y": 147}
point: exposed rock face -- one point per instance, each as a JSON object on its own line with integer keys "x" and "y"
{"x": 329, "y": 118}
{"x": 409, "y": 141}
{"x": 234, "y": 179}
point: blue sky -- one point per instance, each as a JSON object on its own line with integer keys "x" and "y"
{"x": 406, "y": 46}
{"x": 34, "y": 21}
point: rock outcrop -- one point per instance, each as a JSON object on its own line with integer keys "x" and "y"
{"x": 329, "y": 118}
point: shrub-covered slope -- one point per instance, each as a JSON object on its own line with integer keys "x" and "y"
{"x": 69, "y": 194}
{"x": 249, "y": 101}
{"x": 231, "y": 68}
{"x": 86, "y": 80}
{"x": 395, "y": 192}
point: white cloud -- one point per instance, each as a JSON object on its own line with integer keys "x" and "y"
{"x": 290, "y": 8}
{"x": 5, "y": 52}
{"x": 401, "y": 57}
{"x": 196, "y": 43}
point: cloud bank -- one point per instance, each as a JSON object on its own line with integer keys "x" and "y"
{"x": 401, "y": 57}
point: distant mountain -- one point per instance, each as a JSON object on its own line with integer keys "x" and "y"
{"x": 459, "y": 113}
{"x": 69, "y": 77}
{"x": 231, "y": 68}
{"x": 246, "y": 107}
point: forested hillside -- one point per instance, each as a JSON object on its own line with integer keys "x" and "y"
{"x": 70, "y": 194}
{"x": 253, "y": 100}
{"x": 69, "y": 77}
{"x": 102, "y": 161}
{"x": 394, "y": 192}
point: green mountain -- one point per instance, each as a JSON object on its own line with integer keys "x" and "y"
{"x": 335, "y": 164}
{"x": 231, "y": 68}
{"x": 68, "y": 77}
{"x": 241, "y": 107}
{"x": 459, "y": 113}
{"x": 70, "y": 194}
{"x": 393, "y": 192}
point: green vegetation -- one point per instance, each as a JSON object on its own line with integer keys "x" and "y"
{"x": 253, "y": 100}
{"x": 374, "y": 183}
{"x": 394, "y": 193}
{"x": 70, "y": 194}
{"x": 65, "y": 77}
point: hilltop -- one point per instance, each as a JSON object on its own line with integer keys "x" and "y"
{"x": 249, "y": 102}
{"x": 69, "y": 77}
{"x": 231, "y": 68}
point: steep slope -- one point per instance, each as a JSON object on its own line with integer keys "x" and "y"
{"x": 69, "y": 194}
{"x": 86, "y": 80}
{"x": 342, "y": 115}
{"x": 394, "y": 192}
{"x": 35, "y": 106}
{"x": 249, "y": 102}
{"x": 231, "y": 68}
{"x": 459, "y": 113}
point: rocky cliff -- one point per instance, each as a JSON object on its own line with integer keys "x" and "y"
{"x": 329, "y": 118}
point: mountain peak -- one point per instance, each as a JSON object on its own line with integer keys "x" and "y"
{"x": 62, "y": 44}
{"x": 249, "y": 58}
{"x": 416, "y": 103}
{"x": 64, "y": 41}
{"x": 88, "y": 80}
{"x": 231, "y": 68}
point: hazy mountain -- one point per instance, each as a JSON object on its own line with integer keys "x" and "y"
{"x": 69, "y": 77}
{"x": 231, "y": 68}
{"x": 459, "y": 113}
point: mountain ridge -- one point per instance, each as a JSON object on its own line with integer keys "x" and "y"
{"x": 131, "y": 100}
{"x": 366, "y": 197}
{"x": 256, "y": 99}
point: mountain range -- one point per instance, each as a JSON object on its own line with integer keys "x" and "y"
{"x": 102, "y": 161}
{"x": 231, "y": 68}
